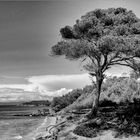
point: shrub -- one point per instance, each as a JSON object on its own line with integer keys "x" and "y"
{"x": 59, "y": 103}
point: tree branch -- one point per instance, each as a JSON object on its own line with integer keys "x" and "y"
{"x": 122, "y": 59}
{"x": 123, "y": 64}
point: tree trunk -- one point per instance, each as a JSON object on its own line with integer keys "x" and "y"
{"x": 95, "y": 104}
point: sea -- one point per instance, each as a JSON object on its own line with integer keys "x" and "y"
{"x": 14, "y": 126}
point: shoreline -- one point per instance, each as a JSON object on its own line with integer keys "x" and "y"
{"x": 40, "y": 132}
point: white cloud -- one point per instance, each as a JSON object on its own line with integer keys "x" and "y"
{"x": 55, "y": 82}
{"x": 9, "y": 94}
{"x": 41, "y": 87}
{"x": 60, "y": 92}
{"x": 25, "y": 87}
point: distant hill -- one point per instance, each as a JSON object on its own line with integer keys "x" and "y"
{"x": 38, "y": 103}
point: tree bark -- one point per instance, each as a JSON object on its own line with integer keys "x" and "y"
{"x": 95, "y": 104}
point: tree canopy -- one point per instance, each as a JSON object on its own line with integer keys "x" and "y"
{"x": 104, "y": 37}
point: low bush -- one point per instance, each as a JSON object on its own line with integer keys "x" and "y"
{"x": 59, "y": 103}
{"x": 115, "y": 90}
{"x": 105, "y": 103}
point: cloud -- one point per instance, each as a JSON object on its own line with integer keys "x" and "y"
{"x": 25, "y": 87}
{"x": 59, "y": 92}
{"x": 56, "y": 82}
{"x": 10, "y": 94}
{"x": 43, "y": 87}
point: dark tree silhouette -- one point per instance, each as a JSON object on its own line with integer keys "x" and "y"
{"x": 101, "y": 39}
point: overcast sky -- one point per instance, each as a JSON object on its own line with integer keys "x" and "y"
{"x": 27, "y": 32}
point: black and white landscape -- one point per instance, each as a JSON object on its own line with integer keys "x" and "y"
{"x": 69, "y": 70}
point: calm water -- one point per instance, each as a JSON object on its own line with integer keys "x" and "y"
{"x": 16, "y": 127}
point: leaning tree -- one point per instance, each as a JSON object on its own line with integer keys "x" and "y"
{"x": 101, "y": 39}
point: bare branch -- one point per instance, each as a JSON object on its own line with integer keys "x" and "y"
{"x": 120, "y": 59}
{"x": 123, "y": 64}
{"x": 107, "y": 64}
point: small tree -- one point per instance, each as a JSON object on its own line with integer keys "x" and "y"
{"x": 101, "y": 39}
